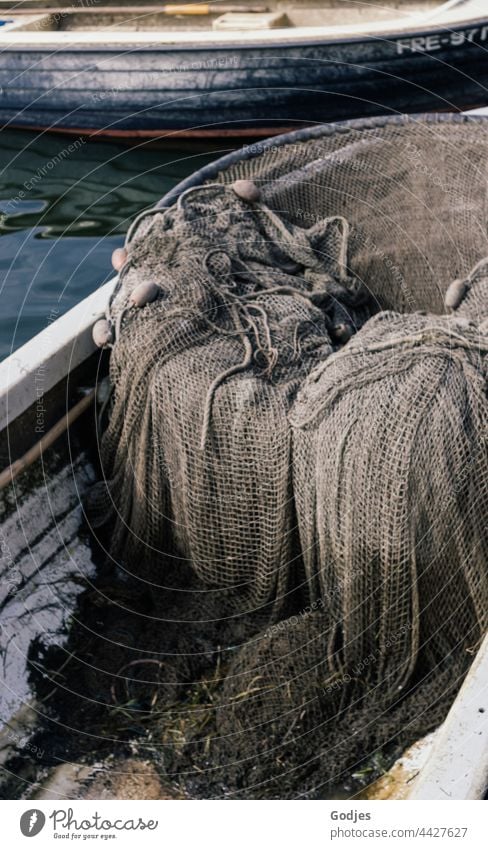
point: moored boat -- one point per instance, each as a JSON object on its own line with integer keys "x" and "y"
{"x": 205, "y": 70}
{"x": 46, "y": 562}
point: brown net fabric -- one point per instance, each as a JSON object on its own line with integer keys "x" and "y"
{"x": 321, "y": 560}
{"x": 391, "y": 486}
{"x": 199, "y": 436}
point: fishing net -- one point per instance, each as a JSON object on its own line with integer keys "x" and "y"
{"x": 199, "y": 437}
{"x": 319, "y": 558}
{"x": 391, "y": 486}
{"x": 471, "y": 294}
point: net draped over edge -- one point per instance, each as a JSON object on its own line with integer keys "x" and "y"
{"x": 346, "y": 519}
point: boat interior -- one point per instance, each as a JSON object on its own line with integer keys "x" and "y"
{"x": 118, "y": 16}
{"x": 49, "y": 562}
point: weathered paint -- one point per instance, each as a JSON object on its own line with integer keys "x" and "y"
{"x": 147, "y": 83}
{"x": 50, "y": 356}
{"x": 458, "y": 764}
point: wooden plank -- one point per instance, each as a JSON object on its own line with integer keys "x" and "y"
{"x": 155, "y": 83}
{"x": 143, "y": 87}
{"x": 174, "y": 108}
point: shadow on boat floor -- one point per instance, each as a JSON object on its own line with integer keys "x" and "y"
{"x": 112, "y": 720}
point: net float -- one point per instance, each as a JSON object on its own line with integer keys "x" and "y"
{"x": 119, "y": 258}
{"x": 246, "y": 190}
{"x": 454, "y": 294}
{"x": 342, "y": 333}
{"x": 102, "y": 333}
{"x": 143, "y": 294}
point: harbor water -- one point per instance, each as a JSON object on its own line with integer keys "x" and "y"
{"x": 65, "y": 204}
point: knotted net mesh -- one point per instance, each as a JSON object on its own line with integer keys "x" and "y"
{"x": 295, "y": 458}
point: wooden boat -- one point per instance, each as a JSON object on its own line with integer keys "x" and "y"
{"x": 47, "y": 392}
{"x": 198, "y": 69}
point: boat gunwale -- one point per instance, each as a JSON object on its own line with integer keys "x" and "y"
{"x": 55, "y": 352}
{"x": 234, "y": 39}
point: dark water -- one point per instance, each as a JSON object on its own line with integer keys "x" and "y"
{"x": 65, "y": 204}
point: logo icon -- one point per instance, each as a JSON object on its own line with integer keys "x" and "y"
{"x": 32, "y": 822}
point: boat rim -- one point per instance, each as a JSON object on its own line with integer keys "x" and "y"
{"x": 419, "y": 25}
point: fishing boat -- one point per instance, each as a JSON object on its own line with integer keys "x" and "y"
{"x": 51, "y": 392}
{"x": 243, "y": 69}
